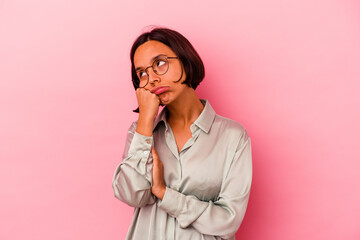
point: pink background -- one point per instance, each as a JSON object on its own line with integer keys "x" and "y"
{"x": 289, "y": 71}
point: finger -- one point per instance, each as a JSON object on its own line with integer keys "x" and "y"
{"x": 141, "y": 91}
{"x": 138, "y": 90}
{"x": 154, "y": 154}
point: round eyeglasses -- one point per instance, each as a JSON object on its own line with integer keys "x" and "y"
{"x": 160, "y": 66}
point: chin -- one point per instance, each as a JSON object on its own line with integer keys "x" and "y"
{"x": 164, "y": 100}
{"x": 163, "y": 103}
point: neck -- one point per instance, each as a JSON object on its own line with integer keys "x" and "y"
{"x": 186, "y": 109}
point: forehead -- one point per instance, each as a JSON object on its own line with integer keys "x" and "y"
{"x": 145, "y": 53}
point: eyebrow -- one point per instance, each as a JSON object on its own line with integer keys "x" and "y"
{"x": 153, "y": 59}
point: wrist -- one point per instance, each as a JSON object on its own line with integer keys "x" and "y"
{"x": 146, "y": 117}
{"x": 145, "y": 125}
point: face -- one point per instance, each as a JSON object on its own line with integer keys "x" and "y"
{"x": 144, "y": 57}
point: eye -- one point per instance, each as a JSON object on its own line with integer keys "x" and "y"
{"x": 142, "y": 74}
{"x": 160, "y": 62}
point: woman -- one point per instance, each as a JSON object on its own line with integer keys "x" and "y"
{"x": 187, "y": 171}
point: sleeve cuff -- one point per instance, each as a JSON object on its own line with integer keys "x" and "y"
{"x": 186, "y": 209}
{"x": 171, "y": 202}
{"x": 140, "y": 145}
{"x": 139, "y": 155}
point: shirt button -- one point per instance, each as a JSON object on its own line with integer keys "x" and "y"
{"x": 146, "y": 152}
{"x": 148, "y": 141}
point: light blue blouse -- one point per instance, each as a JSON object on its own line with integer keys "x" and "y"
{"x": 207, "y": 183}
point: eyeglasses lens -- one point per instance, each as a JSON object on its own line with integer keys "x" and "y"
{"x": 160, "y": 66}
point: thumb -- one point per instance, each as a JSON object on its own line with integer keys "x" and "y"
{"x": 154, "y": 154}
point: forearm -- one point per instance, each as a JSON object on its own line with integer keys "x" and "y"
{"x": 145, "y": 125}
{"x": 221, "y": 218}
{"x": 132, "y": 178}
{"x": 131, "y": 188}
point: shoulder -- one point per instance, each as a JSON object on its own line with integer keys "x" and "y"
{"x": 229, "y": 126}
{"x": 221, "y": 125}
{"x": 230, "y": 131}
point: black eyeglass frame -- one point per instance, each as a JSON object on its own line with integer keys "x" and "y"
{"x": 152, "y": 66}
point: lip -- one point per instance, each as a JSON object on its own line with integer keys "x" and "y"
{"x": 159, "y": 90}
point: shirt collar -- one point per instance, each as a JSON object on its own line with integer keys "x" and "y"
{"x": 161, "y": 117}
{"x": 206, "y": 118}
{"x": 204, "y": 121}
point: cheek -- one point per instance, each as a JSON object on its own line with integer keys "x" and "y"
{"x": 178, "y": 72}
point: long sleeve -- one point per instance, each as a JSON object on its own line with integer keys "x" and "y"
{"x": 133, "y": 176}
{"x": 223, "y": 217}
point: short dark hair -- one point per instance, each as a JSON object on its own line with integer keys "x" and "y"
{"x": 190, "y": 59}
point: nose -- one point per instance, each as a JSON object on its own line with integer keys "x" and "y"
{"x": 153, "y": 76}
